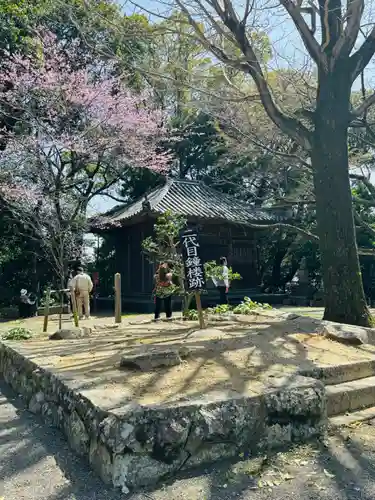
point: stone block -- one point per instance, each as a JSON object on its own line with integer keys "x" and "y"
{"x": 101, "y": 461}
{"x": 71, "y": 333}
{"x": 36, "y": 401}
{"x": 76, "y": 434}
{"x": 149, "y": 359}
{"x": 349, "y": 334}
{"x": 132, "y": 471}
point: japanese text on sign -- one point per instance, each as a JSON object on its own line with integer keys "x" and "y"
{"x": 194, "y": 269}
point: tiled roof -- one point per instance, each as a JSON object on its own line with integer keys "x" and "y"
{"x": 192, "y": 199}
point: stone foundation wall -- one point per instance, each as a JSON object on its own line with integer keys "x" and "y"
{"x": 136, "y": 446}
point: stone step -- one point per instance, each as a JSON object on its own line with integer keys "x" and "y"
{"x": 353, "y": 418}
{"x": 345, "y": 372}
{"x": 350, "y": 396}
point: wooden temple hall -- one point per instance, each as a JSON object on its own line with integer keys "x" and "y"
{"x": 224, "y": 224}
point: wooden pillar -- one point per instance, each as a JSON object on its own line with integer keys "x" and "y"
{"x": 75, "y": 308}
{"x": 118, "y": 316}
{"x": 61, "y": 308}
{"x": 200, "y": 310}
{"x": 128, "y": 286}
{"x": 230, "y": 247}
{"x": 46, "y": 309}
{"x": 143, "y": 265}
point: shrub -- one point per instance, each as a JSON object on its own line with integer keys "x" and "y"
{"x": 220, "y": 309}
{"x": 17, "y": 333}
{"x": 247, "y": 306}
{"x": 191, "y": 315}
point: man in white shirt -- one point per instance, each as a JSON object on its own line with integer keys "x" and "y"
{"x": 222, "y": 283}
{"x": 82, "y": 286}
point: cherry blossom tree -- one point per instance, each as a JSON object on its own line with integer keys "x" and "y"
{"x": 75, "y": 133}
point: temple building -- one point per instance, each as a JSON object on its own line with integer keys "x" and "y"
{"x": 227, "y": 227}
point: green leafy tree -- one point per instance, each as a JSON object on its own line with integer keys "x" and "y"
{"x": 322, "y": 132}
{"x": 165, "y": 246}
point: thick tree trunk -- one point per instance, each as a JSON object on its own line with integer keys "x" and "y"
{"x": 344, "y": 296}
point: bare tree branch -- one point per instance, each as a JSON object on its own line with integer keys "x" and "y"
{"x": 308, "y": 38}
{"x": 363, "y": 107}
{"x": 331, "y": 23}
{"x": 363, "y": 223}
{"x": 348, "y": 37}
{"x": 251, "y": 65}
{"x": 288, "y": 227}
{"x": 366, "y": 182}
{"x": 360, "y": 59}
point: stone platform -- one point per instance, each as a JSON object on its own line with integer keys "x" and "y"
{"x": 135, "y": 445}
{"x": 238, "y": 389}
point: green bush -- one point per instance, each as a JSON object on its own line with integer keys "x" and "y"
{"x": 10, "y": 312}
{"x": 247, "y": 306}
{"x": 17, "y": 333}
{"x": 220, "y": 309}
{"x": 213, "y": 270}
{"x": 191, "y": 315}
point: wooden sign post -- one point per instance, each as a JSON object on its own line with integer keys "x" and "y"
{"x": 200, "y": 310}
{"x": 118, "y": 316}
{"x": 194, "y": 269}
{"x": 75, "y": 309}
{"x": 95, "y": 280}
{"x": 46, "y": 309}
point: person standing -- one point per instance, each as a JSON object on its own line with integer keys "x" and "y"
{"x": 163, "y": 290}
{"x": 82, "y": 286}
{"x": 27, "y": 305}
{"x": 222, "y": 283}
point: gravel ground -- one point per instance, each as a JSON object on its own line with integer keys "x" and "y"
{"x": 35, "y": 461}
{"x": 36, "y": 464}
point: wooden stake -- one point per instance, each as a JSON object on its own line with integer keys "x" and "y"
{"x": 61, "y": 308}
{"x": 200, "y": 310}
{"x": 75, "y": 308}
{"x": 46, "y": 309}
{"x": 118, "y": 316}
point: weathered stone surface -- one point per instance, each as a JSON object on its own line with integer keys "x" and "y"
{"x": 105, "y": 327}
{"x": 226, "y": 318}
{"x": 349, "y": 334}
{"x": 101, "y": 461}
{"x": 36, "y": 402}
{"x": 131, "y": 471}
{"x": 300, "y": 397}
{"x": 150, "y": 359}
{"x": 289, "y": 316}
{"x": 71, "y": 333}
{"x": 76, "y": 433}
{"x": 52, "y": 414}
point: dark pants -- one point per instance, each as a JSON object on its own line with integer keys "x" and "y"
{"x": 223, "y": 294}
{"x": 27, "y": 310}
{"x": 167, "y": 306}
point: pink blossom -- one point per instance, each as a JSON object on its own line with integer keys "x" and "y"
{"x": 75, "y": 111}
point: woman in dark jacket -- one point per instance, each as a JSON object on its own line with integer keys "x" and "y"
{"x": 163, "y": 290}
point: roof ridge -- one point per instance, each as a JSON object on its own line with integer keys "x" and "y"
{"x": 163, "y": 192}
{"x": 173, "y": 180}
{"x": 229, "y": 196}
{"x": 196, "y": 199}
{"x": 115, "y": 211}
